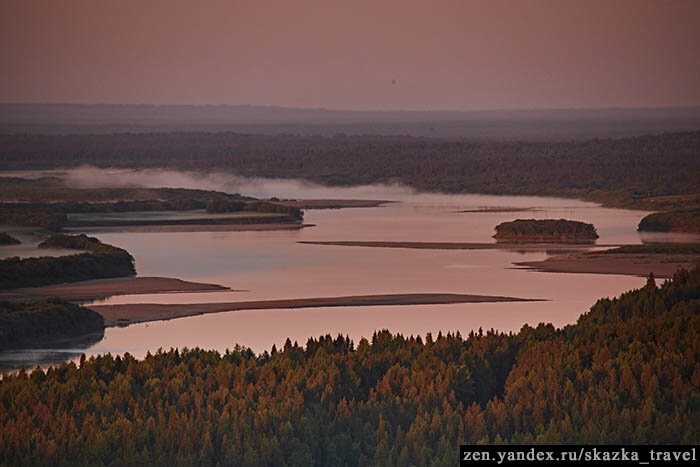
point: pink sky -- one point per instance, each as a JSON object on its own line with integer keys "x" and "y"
{"x": 442, "y": 54}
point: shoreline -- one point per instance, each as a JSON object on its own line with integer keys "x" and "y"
{"x": 96, "y": 289}
{"x": 126, "y": 314}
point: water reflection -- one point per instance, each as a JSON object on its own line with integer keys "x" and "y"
{"x": 48, "y": 354}
{"x": 267, "y": 265}
{"x": 272, "y": 265}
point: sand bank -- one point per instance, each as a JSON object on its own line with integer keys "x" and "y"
{"x": 500, "y": 209}
{"x": 191, "y": 228}
{"x": 116, "y": 315}
{"x": 100, "y": 288}
{"x": 333, "y": 203}
{"x": 662, "y": 265}
{"x": 459, "y": 246}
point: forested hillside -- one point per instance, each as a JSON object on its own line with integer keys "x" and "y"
{"x": 627, "y": 372}
{"x": 614, "y": 171}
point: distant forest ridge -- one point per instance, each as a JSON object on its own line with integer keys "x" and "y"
{"x": 484, "y": 124}
{"x": 621, "y": 172}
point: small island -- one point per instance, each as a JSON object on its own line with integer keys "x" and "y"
{"x": 96, "y": 261}
{"x": 545, "y": 231}
{"x": 685, "y": 221}
{"x": 35, "y": 324}
{"x": 8, "y": 240}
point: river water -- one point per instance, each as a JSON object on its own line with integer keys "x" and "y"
{"x": 261, "y": 265}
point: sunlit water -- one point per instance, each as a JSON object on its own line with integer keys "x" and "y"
{"x": 261, "y": 265}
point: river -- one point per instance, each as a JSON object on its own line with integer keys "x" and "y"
{"x": 261, "y": 265}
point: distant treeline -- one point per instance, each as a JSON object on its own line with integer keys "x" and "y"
{"x": 545, "y": 230}
{"x": 45, "y": 202}
{"x": 36, "y": 324}
{"x": 55, "y": 192}
{"x": 614, "y": 171}
{"x": 99, "y": 261}
{"x": 672, "y": 221}
{"x": 44, "y": 217}
{"x": 626, "y": 373}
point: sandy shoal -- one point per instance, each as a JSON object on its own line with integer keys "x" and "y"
{"x": 124, "y": 314}
{"x": 100, "y": 288}
{"x": 458, "y": 245}
{"x": 333, "y": 203}
{"x": 662, "y": 265}
{"x": 191, "y": 228}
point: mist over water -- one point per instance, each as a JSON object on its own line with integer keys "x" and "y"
{"x": 93, "y": 177}
{"x": 258, "y": 187}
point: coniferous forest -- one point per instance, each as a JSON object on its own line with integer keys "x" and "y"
{"x": 612, "y": 171}
{"x": 627, "y": 372}
{"x": 42, "y": 323}
{"x": 97, "y": 262}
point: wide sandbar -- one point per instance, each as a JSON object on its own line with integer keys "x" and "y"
{"x": 662, "y": 265}
{"x": 125, "y": 314}
{"x": 333, "y": 203}
{"x": 193, "y": 228}
{"x": 100, "y": 288}
{"x": 455, "y": 245}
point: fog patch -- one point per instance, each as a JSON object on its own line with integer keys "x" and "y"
{"x": 263, "y": 188}
{"x": 93, "y": 177}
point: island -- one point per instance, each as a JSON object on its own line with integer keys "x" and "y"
{"x": 97, "y": 261}
{"x": 545, "y": 231}
{"x": 6, "y": 239}
{"x": 50, "y": 203}
{"x": 686, "y": 221}
{"x": 36, "y": 324}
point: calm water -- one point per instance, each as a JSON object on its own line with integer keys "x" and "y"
{"x": 272, "y": 265}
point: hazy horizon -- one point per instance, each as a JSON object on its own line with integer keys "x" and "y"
{"x": 396, "y": 56}
{"x": 377, "y": 110}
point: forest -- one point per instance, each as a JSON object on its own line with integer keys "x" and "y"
{"x": 672, "y": 221}
{"x": 628, "y": 371}
{"x": 538, "y": 230}
{"x": 36, "y": 324}
{"x": 99, "y": 261}
{"x": 6, "y": 239}
{"x": 618, "y": 172}
{"x": 46, "y": 202}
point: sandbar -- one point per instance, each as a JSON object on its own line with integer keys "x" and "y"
{"x": 333, "y": 203}
{"x": 192, "y": 228}
{"x": 662, "y": 265}
{"x": 458, "y": 245}
{"x": 125, "y": 314}
{"x": 100, "y": 288}
{"x": 499, "y": 209}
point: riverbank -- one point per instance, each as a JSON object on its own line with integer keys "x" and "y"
{"x": 125, "y": 314}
